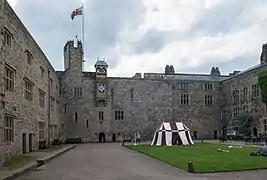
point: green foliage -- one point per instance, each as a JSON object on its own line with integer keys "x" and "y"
{"x": 243, "y": 125}
{"x": 262, "y": 79}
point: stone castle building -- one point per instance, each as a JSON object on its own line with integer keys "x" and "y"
{"x": 38, "y": 103}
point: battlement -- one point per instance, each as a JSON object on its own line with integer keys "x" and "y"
{"x": 73, "y": 55}
{"x": 72, "y": 45}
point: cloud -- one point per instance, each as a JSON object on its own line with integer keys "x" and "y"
{"x": 105, "y": 21}
{"x": 154, "y": 40}
{"x": 52, "y": 27}
{"x": 240, "y": 63}
{"x": 230, "y": 16}
{"x": 145, "y": 35}
{"x": 206, "y": 50}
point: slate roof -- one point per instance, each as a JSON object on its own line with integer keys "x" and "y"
{"x": 101, "y": 63}
{"x": 199, "y": 77}
{"x": 186, "y": 77}
{"x": 246, "y": 70}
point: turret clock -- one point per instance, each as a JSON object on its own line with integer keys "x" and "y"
{"x": 101, "y": 81}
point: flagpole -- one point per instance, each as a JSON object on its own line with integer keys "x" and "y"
{"x": 83, "y": 34}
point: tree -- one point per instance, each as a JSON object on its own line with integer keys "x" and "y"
{"x": 243, "y": 125}
{"x": 262, "y": 79}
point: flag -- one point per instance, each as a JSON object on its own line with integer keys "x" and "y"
{"x": 77, "y": 12}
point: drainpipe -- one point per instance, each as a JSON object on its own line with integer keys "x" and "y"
{"x": 48, "y": 109}
{"x": 172, "y": 103}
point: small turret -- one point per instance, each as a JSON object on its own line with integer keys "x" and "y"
{"x": 73, "y": 56}
{"x": 101, "y": 67}
{"x": 101, "y": 81}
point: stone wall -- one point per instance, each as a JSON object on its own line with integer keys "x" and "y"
{"x": 148, "y": 101}
{"x": 253, "y": 105}
{"x": 27, "y": 114}
{"x": 145, "y": 102}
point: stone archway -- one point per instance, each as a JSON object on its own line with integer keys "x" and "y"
{"x": 102, "y": 137}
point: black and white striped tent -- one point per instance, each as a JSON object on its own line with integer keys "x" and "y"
{"x": 172, "y": 133}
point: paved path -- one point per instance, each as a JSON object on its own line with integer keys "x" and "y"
{"x": 114, "y": 162}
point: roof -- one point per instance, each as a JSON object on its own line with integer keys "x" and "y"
{"x": 101, "y": 63}
{"x": 245, "y": 71}
{"x": 200, "y": 77}
{"x": 188, "y": 77}
{"x": 172, "y": 126}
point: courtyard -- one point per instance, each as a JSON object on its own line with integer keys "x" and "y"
{"x": 113, "y": 162}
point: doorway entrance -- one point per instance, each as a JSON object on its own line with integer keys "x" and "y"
{"x": 255, "y": 132}
{"x": 113, "y": 137}
{"x": 224, "y": 131}
{"x": 24, "y": 142}
{"x": 102, "y": 137}
{"x": 30, "y": 142}
{"x": 195, "y": 135}
{"x": 215, "y": 134}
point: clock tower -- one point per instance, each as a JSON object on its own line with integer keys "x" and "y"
{"x": 101, "y": 81}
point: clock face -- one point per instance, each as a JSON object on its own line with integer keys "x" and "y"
{"x": 101, "y": 88}
{"x": 101, "y": 71}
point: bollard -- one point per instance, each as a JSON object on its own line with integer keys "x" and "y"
{"x": 122, "y": 143}
{"x": 191, "y": 167}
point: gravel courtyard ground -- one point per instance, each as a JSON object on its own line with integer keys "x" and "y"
{"x": 114, "y": 162}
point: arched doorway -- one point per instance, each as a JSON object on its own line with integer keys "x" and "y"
{"x": 102, "y": 137}
{"x": 113, "y": 137}
{"x": 255, "y": 132}
{"x": 215, "y": 134}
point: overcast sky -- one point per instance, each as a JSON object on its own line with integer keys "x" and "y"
{"x": 145, "y": 35}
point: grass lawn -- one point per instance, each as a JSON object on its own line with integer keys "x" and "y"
{"x": 16, "y": 161}
{"x": 205, "y": 157}
{"x": 52, "y": 148}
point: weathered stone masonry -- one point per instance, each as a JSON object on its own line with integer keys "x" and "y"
{"x": 146, "y": 102}
{"x": 96, "y": 107}
{"x": 23, "y": 66}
